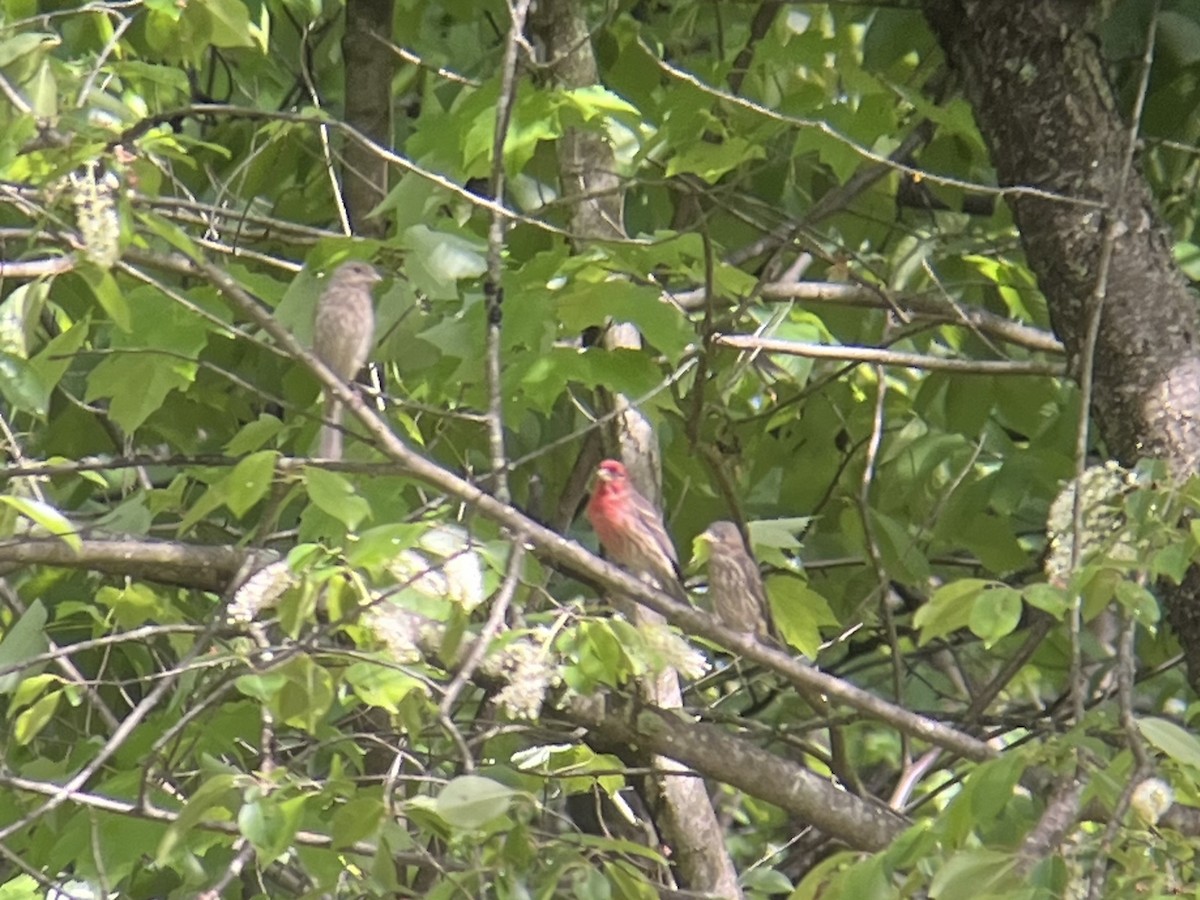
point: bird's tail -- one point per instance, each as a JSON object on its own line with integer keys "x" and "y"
{"x": 329, "y": 446}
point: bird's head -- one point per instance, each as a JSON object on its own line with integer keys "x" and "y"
{"x": 722, "y": 533}
{"x": 356, "y": 273}
{"x": 610, "y": 471}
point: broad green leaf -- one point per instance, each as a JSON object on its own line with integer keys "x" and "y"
{"x": 43, "y": 93}
{"x": 108, "y": 293}
{"x": 711, "y": 161}
{"x": 995, "y": 613}
{"x": 381, "y": 685}
{"x": 439, "y": 260}
{"x": 1173, "y": 740}
{"x": 355, "y": 820}
{"x": 973, "y": 872}
{"x": 20, "y": 385}
{"x": 32, "y": 720}
{"x": 305, "y": 696}
{"x": 171, "y": 233}
{"x": 270, "y": 824}
{"x": 470, "y": 801}
{"x": 591, "y": 304}
{"x": 30, "y": 689}
{"x": 799, "y": 612}
{"x": 949, "y": 608}
{"x": 1047, "y": 598}
{"x": 136, "y": 604}
{"x": 254, "y": 435}
{"x": 778, "y": 533}
{"x": 1138, "y": 602}
{"x": 26, "y": 44}
{"x": 334, "y": 494}
{"x": 53, "y": 362}
{"x": 249, "y": 481}
{"x": 215, "y": 800}
{"x": 25, "y": 639}
{"x": 46, "y": 516}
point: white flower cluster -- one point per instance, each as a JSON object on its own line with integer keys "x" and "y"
{"x": 1151, "y": 799}
{"x": 673, "y": 651}
{"x": 401, "y": 631}
{"x": 526, "y": 665}
{"x": 94, "y": 196}
{"x": 450, "y": 567}
{"x": 1104, "y": 531}
{"x": 260, "y": 591}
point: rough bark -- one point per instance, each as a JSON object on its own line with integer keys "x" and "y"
{"x": 368, "y": 64}
{"x": 1034, "y": 75}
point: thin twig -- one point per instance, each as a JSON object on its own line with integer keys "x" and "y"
{"x": 889, "y": 357}
{"x": 493, "y": 288}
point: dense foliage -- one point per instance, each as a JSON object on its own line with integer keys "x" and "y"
{"x": 307, "y": 714}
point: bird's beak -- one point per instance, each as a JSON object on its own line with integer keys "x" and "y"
{"x": 706, "y": 536}
{"x": 602, "y": 475}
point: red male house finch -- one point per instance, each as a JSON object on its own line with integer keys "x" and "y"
{"x": 343, "y": 332}
{"x": 734, "y": 583}
{"x": 631, "y": 529}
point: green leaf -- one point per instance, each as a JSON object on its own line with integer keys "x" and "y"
{"x": 973, "y": 872}
{"x": 333, "y": 494}
{"x": 1176, "y": 742}
{"x": 25, "y": 639}
{"x": 438, "y": 261}
{"x": 213, "y": 800}
{"x": 135, "y": 604}
{"x": 381, "y": 685}
{"x": 305, "y": 696}
{"x": 798, "y": 612}
{"x": 43, "y": 93}
{"x": 45, "y": 516}
{"x": 1048, "y": 598}
{"x": 249, "y": 481}
{"x": 588, "y": 304}
{"x": 172, "y": 234}
{"x": 470, "y": 801}
{"x": 900, "y": 551}
{"x": 228, "y": 22}
{"x": 109, "y": 295}
{"x": 355, "y": 820}
{"x": 949, "y": 608}
{"x": 31, "y": 688}
{"x": 270, "y": 824}
{"x": 711, "y": 161}
{"x": 157, "y": 361}
{"x": 254, "y": 435}
{"x": 53, "y": 362}
{"x": 995, "y": 613}
{"x": 37, "y": 717}
{"x": 20, "y": 385}
{"x": 1139, "y": 602}
{"x": 26, "y": 44}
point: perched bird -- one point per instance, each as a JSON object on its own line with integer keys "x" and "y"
{"x": 734, "y": 583}
{"x": 343, "y": 332}
{"x": 631, "y": 530}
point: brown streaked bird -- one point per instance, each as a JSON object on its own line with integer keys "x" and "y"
{"x": 734, "y": 582}
{"x": 631, "y": 529}
{"x": 343, "y": 333}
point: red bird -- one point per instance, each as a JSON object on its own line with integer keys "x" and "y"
{"x": 631, "y": 530}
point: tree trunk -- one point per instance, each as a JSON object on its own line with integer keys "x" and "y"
{"x": 1034, "y": 75}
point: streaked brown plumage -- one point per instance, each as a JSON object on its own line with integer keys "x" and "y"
{"x": 343, "y": 333}
{"x": 734, "y": 583}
